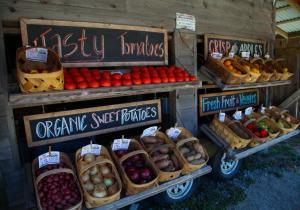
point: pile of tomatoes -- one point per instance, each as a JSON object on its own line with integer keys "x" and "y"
{"x": 94, "y": 78}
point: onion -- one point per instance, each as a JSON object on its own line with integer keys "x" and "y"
{"x": 88, "y": 186}
{"x": 89, "y": 158}
{"x": 105, "y": 170}
{"x": 108, "y": 182}
{"x": 94, "y": 170}
{"x": 100, "y": 191}
{"x": 97, "y": 178}
{"x": 85, "y": 177}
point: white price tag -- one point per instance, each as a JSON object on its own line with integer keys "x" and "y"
{"x": 94, "y": 149}
{"x": 185, "y": 21}
{"x": 237, "y": 115}
{"x": 173, "y": 133}
{"x": 47, "y": 159}
{"x": 248, "y": 111}
{"x": 246, "y": 55}
{"x": 149, "y": 131}
{"x": 217, "y": 55}
{"x": 256, "y": 56}
{"x": 37, "y": 54}
{"x": 262, "y": 110}
{"x": 120, "y": 144}
{"x": 231, "y": 54}
{"x": 222, "y": 116}
{"x": 267, "y": 56}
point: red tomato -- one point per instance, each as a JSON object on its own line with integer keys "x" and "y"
{"x": 97, "y": 77}
{"x": 162, "y": 75}
{"x": 156, "y": 80}
{"x": 193, "y": 78}
{"x": 70, "y": 86}
{"x": 116, "y": 82}
{"x": 137, "y": 81}
{"x": 89, "y": 79}
{"x": 126, "y": 76}
{"x": 178, "y": 74}
{"x": 164, "y": 79}
{"x": 171, "y": 79}
{"x": 94, "y": 84}
{"x": 146, "y": 80}
{"x": 172, "y": 67}
{"x": 135, "y": 75}
{"x": 84, "y": 71}
{"x": 135, "y": 69}
{"x": 145, "y": 75}
{"x": 179, "y": 79}
{"x": 79, "y": 79}
{"x": 144, "y": 69}
{"x": 96, "y": 72}
{"x": 116, "y": 76}
{"x": 106, "y": 74}
{"x": 68, "y": 80}
{"x": 127, "y": 82}
{"x": 154, "y": 74}
{"x": 105, "y": 83}
{"x": 73, "y": 70}
{"x": 82, "y": 85}
{"x": 186, "y": 79}
{"x": 66, "y": 71}
{"x": 75, "y": 74}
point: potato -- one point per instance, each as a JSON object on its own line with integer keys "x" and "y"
{"x": 175, "y": 161}
{"x": 199, "y": 149}
{"x": 197, "y": 161}
{"x": 189, "y": 154}
{"x": 183, "y": 150}
{"x": 162, "y": 163}
{"x": 190, "y": 158}
{"x": 164, "y": 150}
{"x": 168, "y": 169}
{"x": 159, "y": 157}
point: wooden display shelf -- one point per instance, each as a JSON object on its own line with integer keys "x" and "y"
{"x": 44, "y": 98}
{"x": 214, "y": 78}
{"x": 245, "y": 152}
{"x": 129, "y": 199}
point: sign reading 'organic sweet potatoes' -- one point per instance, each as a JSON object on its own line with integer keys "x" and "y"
{"x": 96, "y": 44}
{"x": 68, "y": 125}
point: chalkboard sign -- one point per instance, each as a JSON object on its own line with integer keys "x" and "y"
{"x": 225, "y": 101}
{"x": 225, "y": 44}
{"x": 56, "y": 127}
{"x": 95, "y": 44}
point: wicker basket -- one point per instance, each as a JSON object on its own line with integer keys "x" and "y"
{"x": 285, "y": 115}
{"x": 130, "y": 187}
{"x": 259, "y": 63}
{"x": 187, "y": 167}
{"x": 271, "y": 68}
{"x": 63, "y": 159}
{"x": 274, "y": 116}
{"x": 30, "y": 80}
{"x": 103, "y": 158}
{"x": 223, "y": 130}
{"x": 280, "y": 64}
{"x": 252, "y": 76}
{"x": 256, "y": 140}
{"x": 226, "y": 75}
{"x": 271, "y": 124}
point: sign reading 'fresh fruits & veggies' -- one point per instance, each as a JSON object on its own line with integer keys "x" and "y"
{"x": 225, "y": 101}
{"x": 82, "y": 44}
{"x": 55, "y": 127}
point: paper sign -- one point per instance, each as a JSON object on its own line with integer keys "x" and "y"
{"x": 222, "y": 116}
{"x": 185, "y": 21}
{"x": 120, "y": 144}
{"x": 249, "y": 110}
{"x": 256, "y": 56}
{"x": 37, "y": 54}
{"x": 173, "y": 133}
{"x": 47, "y": 159}
{"x": 94, "y": 149}
{"x": 149, "y": 131}
{"x": 246, "y": 55}
{"x": 237, "y": 115}
{"x": 231, "y": 54}
{"x": 262, "y": 109}
{"x": 267, "y": 56}
{"x": 217, "y": 56}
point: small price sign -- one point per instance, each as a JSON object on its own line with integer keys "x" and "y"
{"x": 262, "y": 109}
{"x": 49, "y": 158}
{"x": 37, "y": 54}
{"x": 267, "y": 56}
{"x": 237, "y": 115}
{"x": 249, "y": 110}
{"x": 231, "y": 54}
{"x": 222, "y": 116}
{"x": 246, "y": 55}
{"x": 256, "y": 56}
{"x": 94, "y": 149}
{"x": 149, "y": 131}
{"x": 120, "y": 144}
{"x": 217, "y": 55}
{"x": 173, "y": 133}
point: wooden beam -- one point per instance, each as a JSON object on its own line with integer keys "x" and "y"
{"x": 284, "y": 8}
{"x": 279, "y": 31}
{"x": 294, "y": 4}
{"x": 288, "y": 21}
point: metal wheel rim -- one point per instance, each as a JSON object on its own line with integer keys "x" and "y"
{"x": 228, "y": 166}
{"x": 180, "y": 190}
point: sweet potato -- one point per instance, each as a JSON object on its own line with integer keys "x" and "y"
{"x": 159, "y": 157}
{"x": 197, "y": 161}
{"x": 175, "y": 161}
{"x": 199, "y": 149}
{"x": 168, "y": 169}
{"x": 164, "y": 150}
{"x": 183, "y": 150}
{"x": 162, "y": 163}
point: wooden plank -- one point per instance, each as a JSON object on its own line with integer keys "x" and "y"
{"x": 91, "y": 127}
{"x": 33, "y": 99}
{"x": 155, "y": 190}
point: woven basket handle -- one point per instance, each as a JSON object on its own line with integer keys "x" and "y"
{"x": 183, "y": 141}
{"x": 53, "y": 171}
{"x": 130, "y": 154}
{"x": 98, "y": 161}
{"x": 248, "y": 122}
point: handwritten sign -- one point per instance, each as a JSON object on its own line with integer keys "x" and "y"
{"x": 94, "y": 149}
{"x": 49, "y": 158}
{"x": 185, "y": 21}
{"x": 120, "y": 144}
{"x": 95, "y": 44}
{"x": 214, "y": 102}
{"x": 55, "y": 127}
{"x": 227, "y": 44}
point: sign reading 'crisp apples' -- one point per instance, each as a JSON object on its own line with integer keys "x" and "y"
{"x": 55, "y": 127}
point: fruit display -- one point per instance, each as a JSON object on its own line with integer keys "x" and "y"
{"x": 284, "y": 114}
{"x": 230, "y": 65}
{"x": 164, "y": 154}
{"x": 56, "y": 186}
{"x": 282, "y": 72}
{"x": 98, "y": 177}
{"x": 94, "y": 78}
{"x": 252, "y": 70}
{"x": 258, "y": 131}
{"x": 137, "y": 171}
{"x": 38, "y": 76}
{"x": 266, "y": 73}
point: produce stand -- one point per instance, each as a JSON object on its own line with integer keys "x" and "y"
{"x": 238, "y": 154}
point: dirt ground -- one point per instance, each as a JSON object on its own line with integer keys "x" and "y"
{"x": 268, "y": 180}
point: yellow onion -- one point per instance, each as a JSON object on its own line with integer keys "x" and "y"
{"x": 88, "y": 158}
{"x": 99, "y": 191}
{"x": 88, "y": 186}
{"x": 94, "y": 170}
{"x": 97, "y": 178}
{"x": 105, "y": 170}
{"x": 85, "y": 177}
